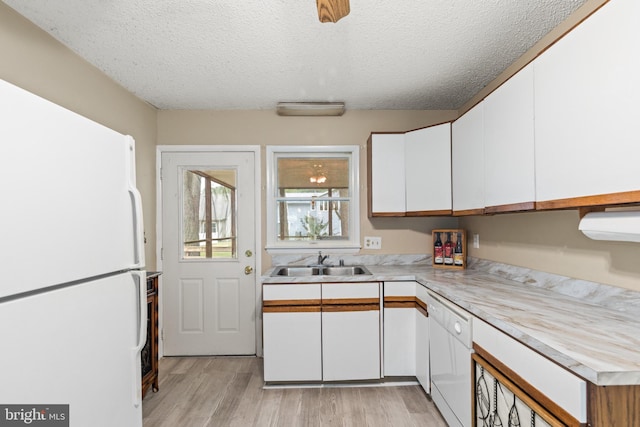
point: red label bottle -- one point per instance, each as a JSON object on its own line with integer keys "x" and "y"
{"x": 448, "y": 250}
{"x": 437, "y": 250}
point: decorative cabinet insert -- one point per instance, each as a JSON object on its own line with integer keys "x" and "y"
{"x": 499, "y": 402}
{"x": 149, "y": 354}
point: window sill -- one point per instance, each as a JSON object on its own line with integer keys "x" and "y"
{"x": 312, "y": 249}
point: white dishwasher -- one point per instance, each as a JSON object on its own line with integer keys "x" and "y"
{"x": 450, "y": 354}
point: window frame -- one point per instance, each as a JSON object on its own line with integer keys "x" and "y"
{"x": 351, "y": 245}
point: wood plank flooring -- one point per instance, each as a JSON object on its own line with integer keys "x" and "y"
{"x": 228, "y": 391}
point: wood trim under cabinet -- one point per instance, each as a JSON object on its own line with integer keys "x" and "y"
{"x": 611, "y": 199}
{"x": 468, "y": 212}
{"x": 545, "y": 402}
{"x": 387, "y": 214}
{"x": 514, "y": 207}
{"x": 441, "y": 212}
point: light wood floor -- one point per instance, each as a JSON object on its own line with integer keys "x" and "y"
{"x": 228, "y": 391}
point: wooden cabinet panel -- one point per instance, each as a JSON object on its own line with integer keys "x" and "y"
{"x": 509, "y": 145}
{"x": 586, "y": 91}
{"x": 149, "y": 353}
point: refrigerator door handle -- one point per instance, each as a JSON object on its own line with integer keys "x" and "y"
{"x": 138, "y": 237}
{"x": 136, "y": 202}
{"x": 140, "y": 283}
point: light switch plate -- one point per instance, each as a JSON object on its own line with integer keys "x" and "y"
{"x": 372, "y": 242}
{"x": 476, "y": 241}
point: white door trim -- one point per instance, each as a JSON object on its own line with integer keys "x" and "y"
{"x": 258, "y": 229}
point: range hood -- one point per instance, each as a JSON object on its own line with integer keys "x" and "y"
{"x": 623, "y": 226}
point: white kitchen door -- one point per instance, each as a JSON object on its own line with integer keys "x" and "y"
{"x": 208, "y": 253}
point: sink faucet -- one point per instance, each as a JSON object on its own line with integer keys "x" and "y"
{"x": 321, "y": 258}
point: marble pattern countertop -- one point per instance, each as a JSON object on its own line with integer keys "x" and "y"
{"x": 588, "y": 328}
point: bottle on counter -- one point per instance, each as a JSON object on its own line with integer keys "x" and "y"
{"x": 437, "y": 250}
{"x": 448, "y": 250}
{"x": 458, "y": 256}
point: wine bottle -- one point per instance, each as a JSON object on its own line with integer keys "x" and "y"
{"x": 448, "y": 250}
{"x": 458, "y": 256}
{"x": 437, "y": 250}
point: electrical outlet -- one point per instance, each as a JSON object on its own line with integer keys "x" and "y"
{"x": 372, "y": 242}
{"x": 476, "y": 241}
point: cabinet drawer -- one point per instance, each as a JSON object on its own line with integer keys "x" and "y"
{"x": 309, "y": 291}
{"x": 400, "y": 289}
{"x": 350, "y": 290}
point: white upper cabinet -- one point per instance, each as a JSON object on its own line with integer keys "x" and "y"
{"x": 428, "y": 170}
{"x": 386, "y": 174}
{"x": 467, "y": 158}
{"x": 509, "y": 175}
{"x": 410, "y": 173}
{"x": 586, "y": 113}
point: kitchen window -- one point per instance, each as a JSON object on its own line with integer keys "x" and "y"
{"x": 313, "y": 198}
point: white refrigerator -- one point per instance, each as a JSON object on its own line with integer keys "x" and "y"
{"x": 72, "y": 287}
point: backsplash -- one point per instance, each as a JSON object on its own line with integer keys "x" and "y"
{"x": 334, "y": 259}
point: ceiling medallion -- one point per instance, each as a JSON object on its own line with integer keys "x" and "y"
{"x": 332, "y": 10}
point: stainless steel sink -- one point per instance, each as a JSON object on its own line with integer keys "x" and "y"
{"x": 320, "y": 271}
{"x": 296, "y": 271}
{"x": 344, "y": 271}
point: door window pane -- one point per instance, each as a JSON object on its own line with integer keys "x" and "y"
{"x": 209, "y": 214}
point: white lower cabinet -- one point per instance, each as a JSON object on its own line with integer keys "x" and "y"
{"x": 399, "y": 329}
{"x": 292, "y": 332}
{"x": 321, "y": 332}
{"x": 406, "y": 332}
{"x": 422, "y": 339}
{"x": 350, "y": 331}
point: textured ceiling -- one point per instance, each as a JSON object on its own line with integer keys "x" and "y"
{"x": 250, "y": 54}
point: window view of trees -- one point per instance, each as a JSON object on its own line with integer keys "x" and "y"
{"x": 209, "y": 214}
{"x": 314, "y": 198}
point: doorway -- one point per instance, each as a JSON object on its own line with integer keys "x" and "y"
{"x": 209, "y": 254}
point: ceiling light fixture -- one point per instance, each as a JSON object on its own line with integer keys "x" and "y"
{"x": 332, "y": 10}
{"x": 310, "y": 108}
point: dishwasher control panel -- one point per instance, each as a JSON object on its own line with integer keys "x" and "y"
{"x": 452, "y": 318}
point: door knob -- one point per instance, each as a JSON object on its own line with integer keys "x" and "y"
{"x": 248, "y": 269}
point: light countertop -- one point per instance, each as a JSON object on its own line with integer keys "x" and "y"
{"x": 588, "y": 328}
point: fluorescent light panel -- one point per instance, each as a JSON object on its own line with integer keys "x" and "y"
{"x": 310, "y": 108}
